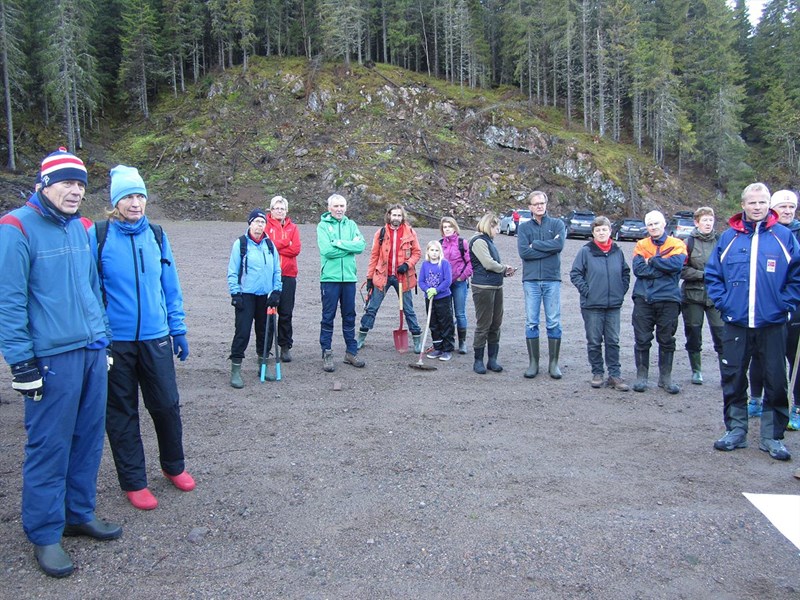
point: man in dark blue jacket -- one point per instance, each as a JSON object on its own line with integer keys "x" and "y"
{"x": 54, "y": 334}
{"x": 753, "y": 278}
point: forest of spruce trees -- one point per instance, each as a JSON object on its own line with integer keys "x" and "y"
{"x": 688, "y": 81}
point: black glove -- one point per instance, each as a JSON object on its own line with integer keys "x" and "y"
{"x": 27, "y": 379}
{"x": 274, "y": 298}
{"x": 370, "y": 286}
{"x": 402, "y": 269}
{"x": 237, "y": 301}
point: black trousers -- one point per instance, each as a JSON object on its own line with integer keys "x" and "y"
{"x": 441, "y": 323}
{"x": 285, "y": 309}
{"x": 661, "y": 316}
{"x": 254, "y": 309}
{"x": 740, "y": 345}
{"x": 147, "y": 365}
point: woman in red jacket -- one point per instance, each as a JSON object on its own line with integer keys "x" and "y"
{"x": 286, "y": 237}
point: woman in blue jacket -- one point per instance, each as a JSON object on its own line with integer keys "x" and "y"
{"x": 144, "y": 303}
{"x": 254, "y": 281}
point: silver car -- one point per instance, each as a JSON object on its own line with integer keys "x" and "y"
{"x": 507, "y": 224}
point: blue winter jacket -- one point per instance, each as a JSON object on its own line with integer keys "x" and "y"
{"x": 50, "y": 300}
{"x": 540, "y": 247}
{"x": 261, "y": 273}
{"x": 140, "y": 282}
{"x": 753, "y": 275}
{"x": 657, "y": 264}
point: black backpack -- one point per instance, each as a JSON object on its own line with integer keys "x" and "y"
{"x": 101, "y": 231}
{"x": 243, "y": 254}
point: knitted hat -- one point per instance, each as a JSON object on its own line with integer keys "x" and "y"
{"x": 256, "y": 213}
{"x": 124, "y": 182}
{"x": 783, "y": 197}
{"x": 62, "y": 166}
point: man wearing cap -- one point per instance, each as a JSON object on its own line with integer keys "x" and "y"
{"x": 54, "y": 334}
{"x": 339, "y": 241}
{"x": 784, "y": 202}
{"x": 144, "y": 304}
{"x": 753, "y": 278}
{"x": 254, "y": 281}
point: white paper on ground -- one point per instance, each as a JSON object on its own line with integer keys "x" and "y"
{"x": 783, "y": 511}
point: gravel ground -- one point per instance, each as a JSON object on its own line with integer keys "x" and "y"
{"x": 415, "y": 484}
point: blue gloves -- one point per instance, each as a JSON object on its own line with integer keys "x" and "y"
{"x": 402, "y": 269}
{"x": 274, "y": 298}
{"x": 431, "y": 292}
{"x": 180, "y": 346}
{"x": 27, "y": 380}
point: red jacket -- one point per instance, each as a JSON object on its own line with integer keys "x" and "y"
{"x": 408, "y": 252}
{"x": 286, "y": 238}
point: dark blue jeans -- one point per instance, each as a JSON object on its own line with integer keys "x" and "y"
{"x": 336, "y": 295}
{"x": 602, "y": 327}
{"x": 368, "y": 320}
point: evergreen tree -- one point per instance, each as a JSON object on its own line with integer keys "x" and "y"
{"x": 12, "y": 61}
{"x": 140, "y": 60}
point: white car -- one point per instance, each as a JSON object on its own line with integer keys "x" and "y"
{"x": 507, "y": 224}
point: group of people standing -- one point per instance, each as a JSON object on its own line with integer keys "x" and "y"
{"x": 70, "y": 288}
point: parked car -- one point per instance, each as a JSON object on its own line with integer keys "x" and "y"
{"x": 578, "y": 223}
{"x": 628, "y": 229}
{"x": 507, "y": 224}
{"x": 681, "y": 224}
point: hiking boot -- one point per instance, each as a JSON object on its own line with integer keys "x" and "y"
{"x": 754, "y": 407}
{"x": 597, "y": 380}
{"x": 236, "y": 375}
{"x": 617, "y": 383}
{"x": 327, "y": 361}
{"x": 434, "y": 354}
{"x": 352, "y": 359}
{"x": 732, "y": 440}
{"x": 142, "y": 499}
{"x": 362, "y": 337}
{"x": 286, "y": 355}
{"x": 53, "y": 560}
{"x": 775, "y": 448}
{"x": 794, "y": 419}
{"x": 445, "y": 356}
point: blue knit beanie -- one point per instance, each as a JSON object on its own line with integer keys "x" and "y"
{"x": 62, "y": 166}
{"x": 124, "y": 182}
{"x": 256, "y": 213}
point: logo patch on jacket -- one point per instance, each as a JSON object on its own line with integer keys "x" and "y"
{"x": 771, "y": 264}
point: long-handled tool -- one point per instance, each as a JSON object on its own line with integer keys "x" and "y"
{"x": 419, "y": 364}
{"x": 265, "y": 376}
{"x": 275, "y": 346}
{"x": 401, "y": 334}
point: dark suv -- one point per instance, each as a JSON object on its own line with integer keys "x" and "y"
{"x": 578, "y": 223}
{"x": 681, "y": 224}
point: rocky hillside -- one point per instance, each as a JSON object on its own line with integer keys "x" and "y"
{"x": 376, "y": 134}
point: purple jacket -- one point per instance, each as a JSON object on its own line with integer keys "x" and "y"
{"x": 459, "y": 261}
{"x": 436, "y": 276}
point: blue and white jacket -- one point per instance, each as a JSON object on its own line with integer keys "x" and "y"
{"x": 50, "y": 300}
{"x": 142, "y": 292}
{"x": 753, "y": 275}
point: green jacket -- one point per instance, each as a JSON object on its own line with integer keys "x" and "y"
{"x": 339, "y": 242}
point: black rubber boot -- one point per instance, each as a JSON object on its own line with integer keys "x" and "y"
{"x": 492, "y": 363}
{"x": 462, "y": 341}
{"x": 665, "y": 372}
{"x": 697, "y": 372}
{"x": 554, "y": 349}
{"x": 53, "y": 560}
{"x": 478, "y": 365}
{"x": 642, "y": 369}
{"x": 533, "y": 357}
